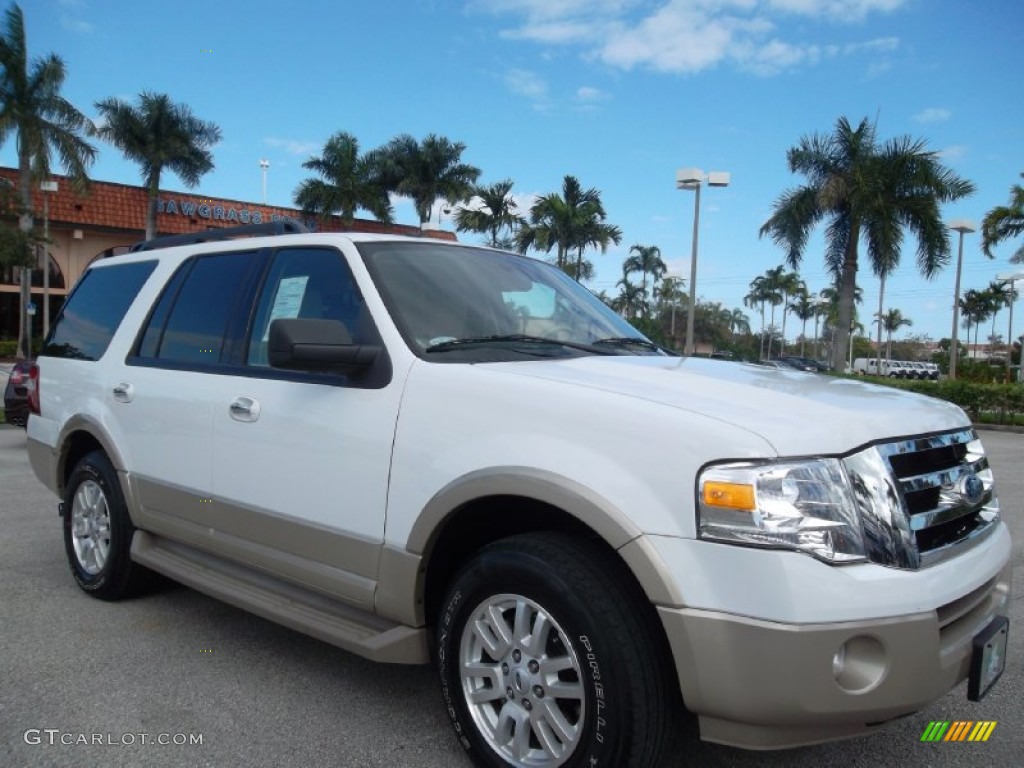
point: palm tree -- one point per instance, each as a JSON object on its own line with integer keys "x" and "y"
{"x": 645, "y": 259}
{"x": 1004, "y": 222}
{"x": 762, "y": 292}
{"x": 44, "y": 122}
{"x": 629, "y": 298}
{"x": 737, "y": 321}
{"x": 975, "y": 307}
{"x": 892, "y": 321}
{"x": 427, "y": 171}
{"x": 670, "y": 292}
{"x": 829, "y": 309}
{"x": 596, "y": 234}
{"x": 862, "y": 188}
{"x": 349, "y": 181}
{"x": 999, "y": 295}
{"x": 573, "y": 219}
{"x": 788, "y": 283}
{"x": 773, "y": 283}
{"x": 804, "y": 307}
{"x": 157, "y": 135}
{"x": 495, "y": 212}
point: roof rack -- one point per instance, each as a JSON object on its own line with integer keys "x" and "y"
{"x": 284, "y": 226}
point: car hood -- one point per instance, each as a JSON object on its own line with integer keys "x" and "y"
{"x": 798, "y": 413}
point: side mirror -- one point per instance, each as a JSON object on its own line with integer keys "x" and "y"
{"x": 317, "y": 345}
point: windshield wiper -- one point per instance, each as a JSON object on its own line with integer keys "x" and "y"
{"x": 513, "y": 338}
{"x": 630, "y": 341}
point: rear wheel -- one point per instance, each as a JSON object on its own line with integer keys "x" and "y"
{"x": 98, "y": 532}
{"x": 549, "y": 656}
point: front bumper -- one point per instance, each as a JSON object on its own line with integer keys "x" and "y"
{"x": 769, "y": 685}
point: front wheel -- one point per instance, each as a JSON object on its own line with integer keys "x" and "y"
{"x": 549, "y": 656}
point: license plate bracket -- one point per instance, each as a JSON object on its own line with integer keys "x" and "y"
{"x": 988, "y": 658}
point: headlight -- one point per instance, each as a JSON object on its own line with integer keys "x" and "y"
{"x": 806, "y": 506}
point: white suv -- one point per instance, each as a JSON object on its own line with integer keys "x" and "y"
{"x": 420, "y": 450}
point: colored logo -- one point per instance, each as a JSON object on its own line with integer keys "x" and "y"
{"x": 958, "y": 730}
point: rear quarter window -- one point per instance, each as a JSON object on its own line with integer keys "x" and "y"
{"x": 94, "y": 310}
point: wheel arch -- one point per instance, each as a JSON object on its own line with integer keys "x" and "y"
{"x": 488, "y": 505}
{"x": 79, "y": 437}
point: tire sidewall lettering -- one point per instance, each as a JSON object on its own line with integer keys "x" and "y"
{"x": 598, "y": 744}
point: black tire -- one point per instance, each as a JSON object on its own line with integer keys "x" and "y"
{"x": 618, "y": 695}
{"x": 98, "y": 532}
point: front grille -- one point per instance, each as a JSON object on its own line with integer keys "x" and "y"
{"x": 923, "y": 499}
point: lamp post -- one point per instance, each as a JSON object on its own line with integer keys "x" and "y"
{"x": 1011, "y": 279}
{"x": 963, "y": 226}
{"x": 264, "y": 165}
{"x": 46, "y": 187}
{"x": 693, "y": 178}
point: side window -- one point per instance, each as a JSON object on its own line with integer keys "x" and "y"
{"x": 196, "y": 306}
{"x": 95, "y": 309}
{"x": 310, "y": 283}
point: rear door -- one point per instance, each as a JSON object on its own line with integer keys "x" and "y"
{"x": 165, "y": 393}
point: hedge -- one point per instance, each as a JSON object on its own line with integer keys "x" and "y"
{"x": 998, "y": 403}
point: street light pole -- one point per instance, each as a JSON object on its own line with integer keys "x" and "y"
{"x": 963, "y": 227}
{"x": 264, "y": 165}
{"x": 1012, "y": 280}
{"x": 693, "y": 178}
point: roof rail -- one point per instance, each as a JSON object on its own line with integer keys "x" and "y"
{"x": 284, "y": 226}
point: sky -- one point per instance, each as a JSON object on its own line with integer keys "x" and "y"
{"x": 618, "y": 93}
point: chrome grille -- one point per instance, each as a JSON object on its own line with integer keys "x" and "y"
{"x": 923, "y": 499}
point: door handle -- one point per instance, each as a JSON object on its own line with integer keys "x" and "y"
{"x": 124, "y": 392}
{"x": 244, "y": 409}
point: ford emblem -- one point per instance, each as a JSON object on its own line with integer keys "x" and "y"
{"x": 971, "y": 489}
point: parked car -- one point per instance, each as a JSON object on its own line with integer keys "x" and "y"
{"x": 425, "y": 451}
{"x": 16, "y": 395}
{"x": 804, "y": 363}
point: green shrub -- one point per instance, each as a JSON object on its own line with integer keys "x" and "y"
{"x": 991, "y": 403}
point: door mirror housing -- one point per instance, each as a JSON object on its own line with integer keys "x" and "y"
{"x": 298, "y": 344}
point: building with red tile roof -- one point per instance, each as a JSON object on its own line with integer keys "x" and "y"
{"x": 107, "y": 218}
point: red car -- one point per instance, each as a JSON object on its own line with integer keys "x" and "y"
{"x": 16, "y": 395}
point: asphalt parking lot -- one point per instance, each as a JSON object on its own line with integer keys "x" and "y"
{"x": 176, "y": 666}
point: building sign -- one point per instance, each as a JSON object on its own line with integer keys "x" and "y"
{"x": 191, "y": 208}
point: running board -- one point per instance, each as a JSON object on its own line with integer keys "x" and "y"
{"x": 283, "y": 602}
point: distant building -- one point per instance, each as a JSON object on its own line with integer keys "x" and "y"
{"x": 110, "y": 218}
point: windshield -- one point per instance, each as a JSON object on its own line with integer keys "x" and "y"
{"x": 447, "y": 297}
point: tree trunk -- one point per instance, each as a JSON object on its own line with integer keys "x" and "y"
{"x": 785, "y": 306}
{"x": 25, "y": 224}
{"x": 881, "y": 299}
{"x": 760, "y": 350}
{"x": 154, "y": 193}
{"x": 847, "y": 291}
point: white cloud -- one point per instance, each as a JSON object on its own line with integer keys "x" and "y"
{"x": 526, "y": 83}
{"x": 688, "y": 36}
{"x": 293, "y": 146}
{"x": 587, "y": 94}
{"x": 932, "y": 115}
{"x": 836, "y": 10}
{"x": 76, "y": 25}
{"x": 953, "y": 152}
